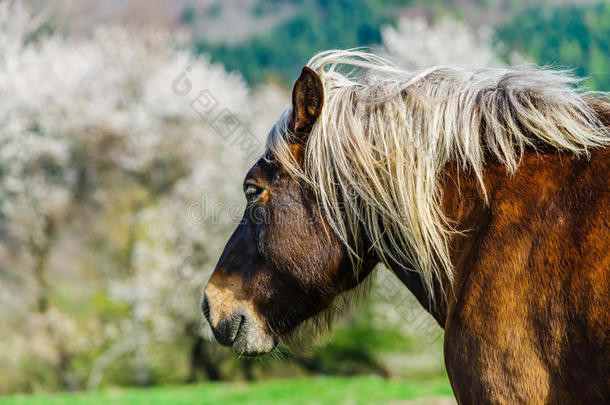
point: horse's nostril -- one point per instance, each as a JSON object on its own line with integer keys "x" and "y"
{"x": 228, "y": 328}
{"x": 225, "y": 329}
{"x": 205, "y": 308}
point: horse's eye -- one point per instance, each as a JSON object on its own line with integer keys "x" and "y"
{"x": 252, "y": 192}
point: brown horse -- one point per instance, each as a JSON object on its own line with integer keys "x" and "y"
{"x": 487, "y": 192}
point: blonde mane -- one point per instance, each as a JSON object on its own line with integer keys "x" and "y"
{"x": 375, "y": 154}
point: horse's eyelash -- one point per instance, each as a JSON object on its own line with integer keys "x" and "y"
{"x": 251, "y": 189}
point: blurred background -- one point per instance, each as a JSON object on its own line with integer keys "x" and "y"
{"x": 126, "y": 130}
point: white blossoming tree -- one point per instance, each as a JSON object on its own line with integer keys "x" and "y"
{"x": 416, "y": 44}
{"x": 121, "y": 161}
{"x": 106, "y": 144}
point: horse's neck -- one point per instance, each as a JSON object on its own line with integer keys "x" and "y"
{"x": 464, "y": 205}
{"x": 558, "y": 179}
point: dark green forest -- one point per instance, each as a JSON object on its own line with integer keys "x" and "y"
{"x": 574, "y": 36}
{"x": 319, "y": 25}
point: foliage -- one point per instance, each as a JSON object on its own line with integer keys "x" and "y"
{"x": 318, "y": 25}
{"x": 355, "y": 390}
{"x": 572, "y": 36}
{"x": 101, "y": 161}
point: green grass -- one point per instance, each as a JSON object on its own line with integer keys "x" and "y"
{"x": 318, "y": 390}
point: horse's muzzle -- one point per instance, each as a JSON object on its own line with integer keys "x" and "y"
{"x": 226, "y": 330}
{"x": 238, "y": 327}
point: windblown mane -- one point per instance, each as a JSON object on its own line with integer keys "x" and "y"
{"x": 375, "y": 154}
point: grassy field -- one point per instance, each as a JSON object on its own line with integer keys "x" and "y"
{"x": 335, "y": 390}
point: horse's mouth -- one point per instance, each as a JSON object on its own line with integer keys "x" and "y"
{"x": 240, "y": 327}
{"x": 238, "y": 331}
{"x": 251, "y": 340}
{"x": 245, "y": 335}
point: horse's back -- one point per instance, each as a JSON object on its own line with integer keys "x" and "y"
{"x": 530, "y": 322}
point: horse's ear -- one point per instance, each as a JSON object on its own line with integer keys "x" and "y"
{"x": 307, "y": 101}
